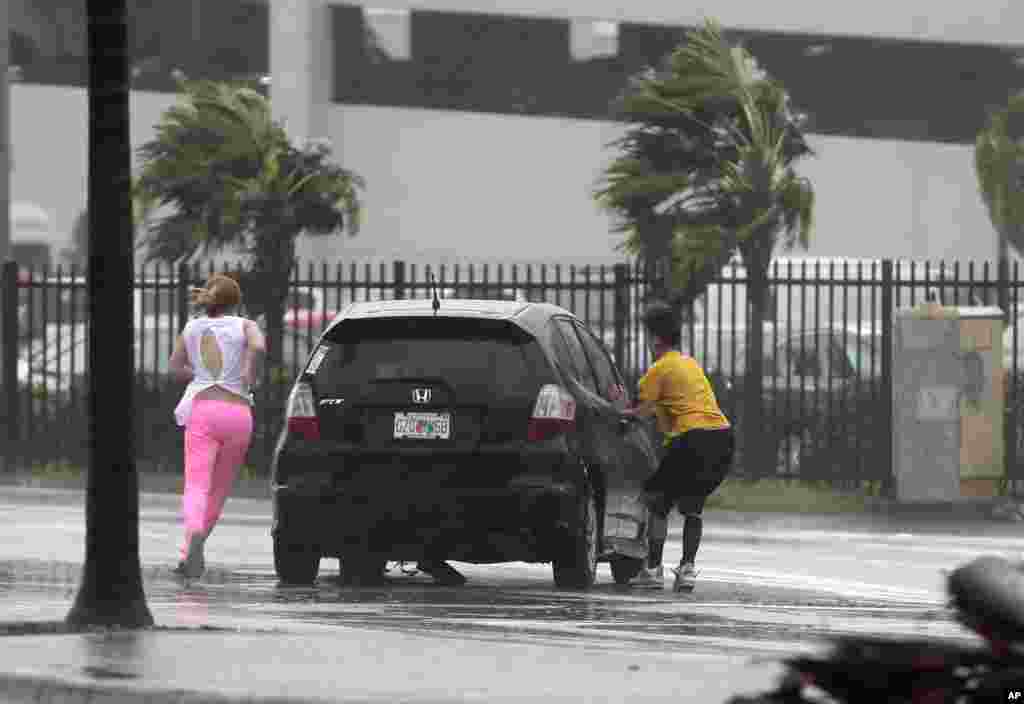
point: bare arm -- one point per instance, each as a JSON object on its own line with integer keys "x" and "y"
{"x": 647, "y": 398}
{"x": 255, "y": 350}
{"x": 179, "y": 366}
{"x": 644, "y": 409}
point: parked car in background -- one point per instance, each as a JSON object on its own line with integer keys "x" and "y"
{"x": 489, "y": 431}
{"x": 306, "y": 310}
{"x": 56, "y": 364}
{"x": 45, "y": 301}
{"x": 821, "y": 389}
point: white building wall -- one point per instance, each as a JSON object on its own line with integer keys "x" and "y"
{"x": 457, "y": 186}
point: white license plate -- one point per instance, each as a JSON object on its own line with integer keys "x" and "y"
{"x": 423, "y": 426}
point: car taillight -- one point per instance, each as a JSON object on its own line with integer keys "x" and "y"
{"x": 301, "y": 412}
{"x": 553, "y": 413}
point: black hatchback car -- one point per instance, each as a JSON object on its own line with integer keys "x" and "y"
{"x": 482, "y": 432}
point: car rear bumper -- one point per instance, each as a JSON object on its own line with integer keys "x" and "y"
{"x": 497, "y": 525}
{"x": 490, "y": 506}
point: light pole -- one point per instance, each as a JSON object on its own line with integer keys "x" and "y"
{"x": 5, "y": 151}
{"x": 5, "y": 154}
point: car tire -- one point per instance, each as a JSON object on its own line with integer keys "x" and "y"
{"x": 576, "y": 566}
{"x": 295, "y": 563}
{"x": 625, "y": 568}
{"x": 359, "y": 567}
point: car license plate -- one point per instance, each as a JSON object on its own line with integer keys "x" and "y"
{"x": 423, "y": 426}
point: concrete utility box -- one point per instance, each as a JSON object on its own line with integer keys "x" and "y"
{"x": 948, "y": 397}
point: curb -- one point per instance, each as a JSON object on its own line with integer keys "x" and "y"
{"x": 29, "y": 689}
{"x": 997, "y": 510}
{"x": 148, "y": 484}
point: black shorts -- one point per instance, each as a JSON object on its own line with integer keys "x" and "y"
{"x": 694, "y": 465}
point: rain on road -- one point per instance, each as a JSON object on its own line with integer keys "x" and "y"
{"x": 768, "y": 587}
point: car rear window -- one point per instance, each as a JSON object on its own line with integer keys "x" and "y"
{"x": 462, "y": 353}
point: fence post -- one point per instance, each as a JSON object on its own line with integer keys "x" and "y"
{"x": 399, "y": 280}
{"x": 183, "y": 288}
{"x": 10, "y": 358}
{"x": 621, "y": 316}
{"x": 1009, "y": 424}
{"x": 1003, "y": 288}
{"x": 888, "y": 282}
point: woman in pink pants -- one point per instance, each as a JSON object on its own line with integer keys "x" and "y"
{"x": 218, "y": 354}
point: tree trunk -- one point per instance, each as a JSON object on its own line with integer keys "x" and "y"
{"x": 756, "y": 260}
{"x": 272, "y": 267}
{"x": 656, "y": 238}
{"x": 273, "y": 264}
{"x": 111, "y": 593}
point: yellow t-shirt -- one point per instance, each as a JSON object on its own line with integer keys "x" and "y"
{"x": 683, "y": 396}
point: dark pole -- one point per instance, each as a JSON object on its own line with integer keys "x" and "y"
{"x": 5, "y": 121}
{"x": 5, "y": 151}
{"x": 111, "y": 592}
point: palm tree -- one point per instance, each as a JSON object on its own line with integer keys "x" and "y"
{"x": 233, "y": 179}
{"x": 111, "y": 593}
{"x": 706, "y": 171}
{"x": 999, "y": 165}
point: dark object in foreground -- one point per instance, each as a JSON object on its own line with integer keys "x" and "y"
{"x": 987, "y": 596}
{"x": 111, "y": 593}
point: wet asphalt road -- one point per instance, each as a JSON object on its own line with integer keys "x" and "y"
{"x": 767, "y": 587}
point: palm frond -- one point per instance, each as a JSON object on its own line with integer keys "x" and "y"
{"x": 710, "y": 148}
{"x": 999, "y": 166}
{"x": 230, "y": 175}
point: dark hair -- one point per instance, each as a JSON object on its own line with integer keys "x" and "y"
{"x": 664, "y": 323}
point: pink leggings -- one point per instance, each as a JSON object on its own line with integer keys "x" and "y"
{"x": 216, "y": 440}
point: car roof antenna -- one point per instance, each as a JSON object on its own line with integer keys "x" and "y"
{"x": 436, "y": 305}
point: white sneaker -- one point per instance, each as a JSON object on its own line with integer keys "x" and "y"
{"x": 686, "y": 577}
{"x": 649, "y": 578}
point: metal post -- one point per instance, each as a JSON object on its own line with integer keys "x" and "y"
{"x": 399, "y": 280}
{"x": 621, "y": 318}
{"x": 887, "y": 400}
{"x": 5, "y": 152}
{"x": 10, "y": 359}
{"x": 183, "y": 288}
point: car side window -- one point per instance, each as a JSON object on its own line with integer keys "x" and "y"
{"x": 584, "y": 374}
{"x": 609, "y": 383}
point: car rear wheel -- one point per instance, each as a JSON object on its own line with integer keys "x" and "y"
{"x": 359, "y": 567}
{"x": 625, "y": 568}
{"x": 295, "y": 563}
{"x": 576, "y": 567}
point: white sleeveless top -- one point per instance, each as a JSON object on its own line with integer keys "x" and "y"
{"x": 229, "y": 331}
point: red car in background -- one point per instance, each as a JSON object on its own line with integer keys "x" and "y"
{"x": 305, "y": 310}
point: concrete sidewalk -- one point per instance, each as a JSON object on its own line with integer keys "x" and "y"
{"x": 881, "y": 510}
{"x": 353, "y": 665}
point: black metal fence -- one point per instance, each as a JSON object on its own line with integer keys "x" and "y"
{"x": 825, "y": 362}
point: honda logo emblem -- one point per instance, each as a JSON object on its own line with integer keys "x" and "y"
{"x": 421, "y": 395}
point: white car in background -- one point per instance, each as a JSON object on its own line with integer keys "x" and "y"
{"x": 56, "y": 363}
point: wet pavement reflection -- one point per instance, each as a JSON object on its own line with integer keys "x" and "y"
{"x": 709, "y": 621}
{"x": 760, "y": 592}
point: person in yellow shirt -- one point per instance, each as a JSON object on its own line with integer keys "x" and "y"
{"x": 698, "y": 446}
